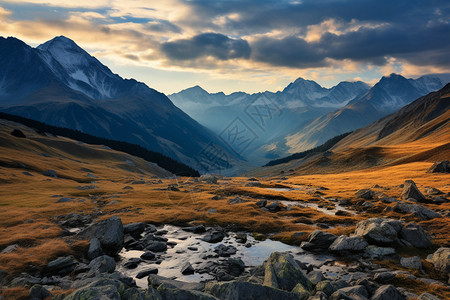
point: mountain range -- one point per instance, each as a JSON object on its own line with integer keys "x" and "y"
{"x": 61, "y": 84}
{"x": 304, "y": 114}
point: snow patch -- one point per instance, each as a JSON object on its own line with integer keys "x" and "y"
{"x": 79, "y": 75}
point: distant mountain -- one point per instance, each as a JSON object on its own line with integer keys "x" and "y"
{"x": 61, "y": 84}
{"x": 387, "y": 96}
{"x": 267, "y": 115}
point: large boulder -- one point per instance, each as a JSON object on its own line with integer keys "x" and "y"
{"x": 283, "y": 272}
{"x": 441, "y": 260}
{"x": 241, "y": 290}
{"x": 109, "y": 232}
{"x": 415, "y": 235}
{"x": 102, "y": 264}
{"x": 410, "y": 190}
{"x": 345, "y": 244}
{"x": 413, "y": 262}
{"x": 95, "y": 249}
{"x": 173, "y": 293}
{"x": 387, "y": 292}
{"x": 61, "y": 266}
{"x": 104, "y": 289}
{"x": 319, "y": 240}
{"x": 156, "y": 280}
{"x": 418, "y": 210}
{"x": 440, "y": 167}
{"x": 140, "y": 294}
{"x": 377, "y": 231}
{"x": 357, "y": 290}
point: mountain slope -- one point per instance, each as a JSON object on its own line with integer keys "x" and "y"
{"x": 61, "y": 84}
{"x": 388, "y": 95}
{"x": 418, "y": 132}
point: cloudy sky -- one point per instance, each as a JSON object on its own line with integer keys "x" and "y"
{"x": 244, "y": 45}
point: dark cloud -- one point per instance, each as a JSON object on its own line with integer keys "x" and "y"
{"x": 207, "y": 44}
{"x": 163, "y": 26}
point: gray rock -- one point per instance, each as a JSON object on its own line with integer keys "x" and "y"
{"x": 441, "y": 260}
{"x": 50, "y": 173}
{"x": 95, "y": 249}
{"x": 384, "y": 277}
{"x": 440, "y": 167}
{"x": 345, "y": 244}
{"x": 187, "y": 269}
{"x": 427, "y": 296}
{"x": 214, "y": 237}
{"x": 319, "y": 240}
{"x": 195, "y": 229}
{"x": 64, "y": 200}
{"x": 147, "y": 272}
{"x": 134, "y": 229}
{"x": 102, "y": 264}
{"x": 410, "y": 190}
{"x": 109, "y": 232}
{"x": 101, "y": 289}
{"x": 349, "y": 291}
{"x": 156, "y": 246}
{"x": 9, "y": 249}
{"x": 379, "y": 252}
{"x": 415, "y": 235}
{"x": 172, "y": 293}
{"x": 236, "y": 200}
{"x": 365, "y": 194}
{"x": 241, "y": 290}
{"x": 261, "y": 203}
{"x": 315, "y": 277}
{"x": 418, "y": 210}
{"x": 283, "y": 272}
{"x": 235, "y": 266}
{"x": 254, "y": 184}
{"x": 376, "y": 231}
{"x": 61, "y": 266}
{"x": 38, "y": 292}
{"x": 325, "y": 287}
{"x": 148, "y": 255}
{"x": 140, "y": 294}
{"x": 156, "y": 280}
{"x": 3, "y": 277}
{"x": 387, "y": 292}
{"x": 274, "y": 206}
{"x": 411, "y": 262}
{"x": 433, "y": 191}
{"x": 211, "y": 179}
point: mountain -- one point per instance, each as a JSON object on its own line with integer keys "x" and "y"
{"x": 418, "y": 132}
{"x": 387, "y": 96}
{"x": 61, "y": 84}
{"x": 267, "y": 115}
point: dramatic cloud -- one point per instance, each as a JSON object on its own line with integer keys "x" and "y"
{"x": 207, "y": 44}
{"x": 253, "y": 41}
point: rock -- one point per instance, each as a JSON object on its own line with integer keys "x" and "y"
{"x": 9, "y": 249}
{"x": 283, "y": 272}
{"x": 61, "y": 266}
{"x": 315, "y": 277}
{"x": 214, "y": 237}
{"x": 225, "y": 251}
{"x": 134, "y": 229}
{"x": 433, "y": 191}
{"x": 387, "y": 292}
{"x": 241, "y": 290}
{"x": 148, "y": 255}
{"x": 18, "y": 133}
{"x": 349, "y": 291}
{"x": 441, "y": 260}
{"x": 377, "y": 231}
{"x": 301, "y": 292}
{"x": 50, "y": 173}
{"x": 3, "y": 277}
{"x": 211, "y": 179}
{"x": 139, "y": 294}
{"x": 109, "y": 232}
{"x": 410, "y": 190}
{"x": 415, "y": 235}
{"x": 64, "y": 200}
{"x": 195, "y": 229}
{"x": 379, "y": 252}
{"x": 261, "y": 203}
{"x": 418, "y": 210}
{"x": 254, "y": 184}
{"x": 236, "y": 200}
{"x": 156, "y": 280}
{"x": 384, "y": 277}
{"x": 319, "y": 240}
{"x": 104, "y": 289}
{"x": 345, "y": 244}
{"x": 87, "y": 187}
{"x": 241, "y": 238}
{"x": 38, "y": 292}
{"x": 235, "y": 266}
{"x": 274, "y": 206}
{"x": 411, "y": 262}
{"x": 95, "y": 249}
{"x": 172, "y": 293}
{"x": 325, "y": 287}
{"x": 187, "y": 269}
{"x": 102, "y": 264}
{"x": 156, "y": 246}
{"x": 426, "y": 296}
{"x": 440, "y": 167}
{"x": 147, "y": 272}
{"x": 365, "y": 194}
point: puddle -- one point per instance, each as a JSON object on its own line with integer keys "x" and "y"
{"x": 172, "y": 261}
{"x": 326, "y": 211}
